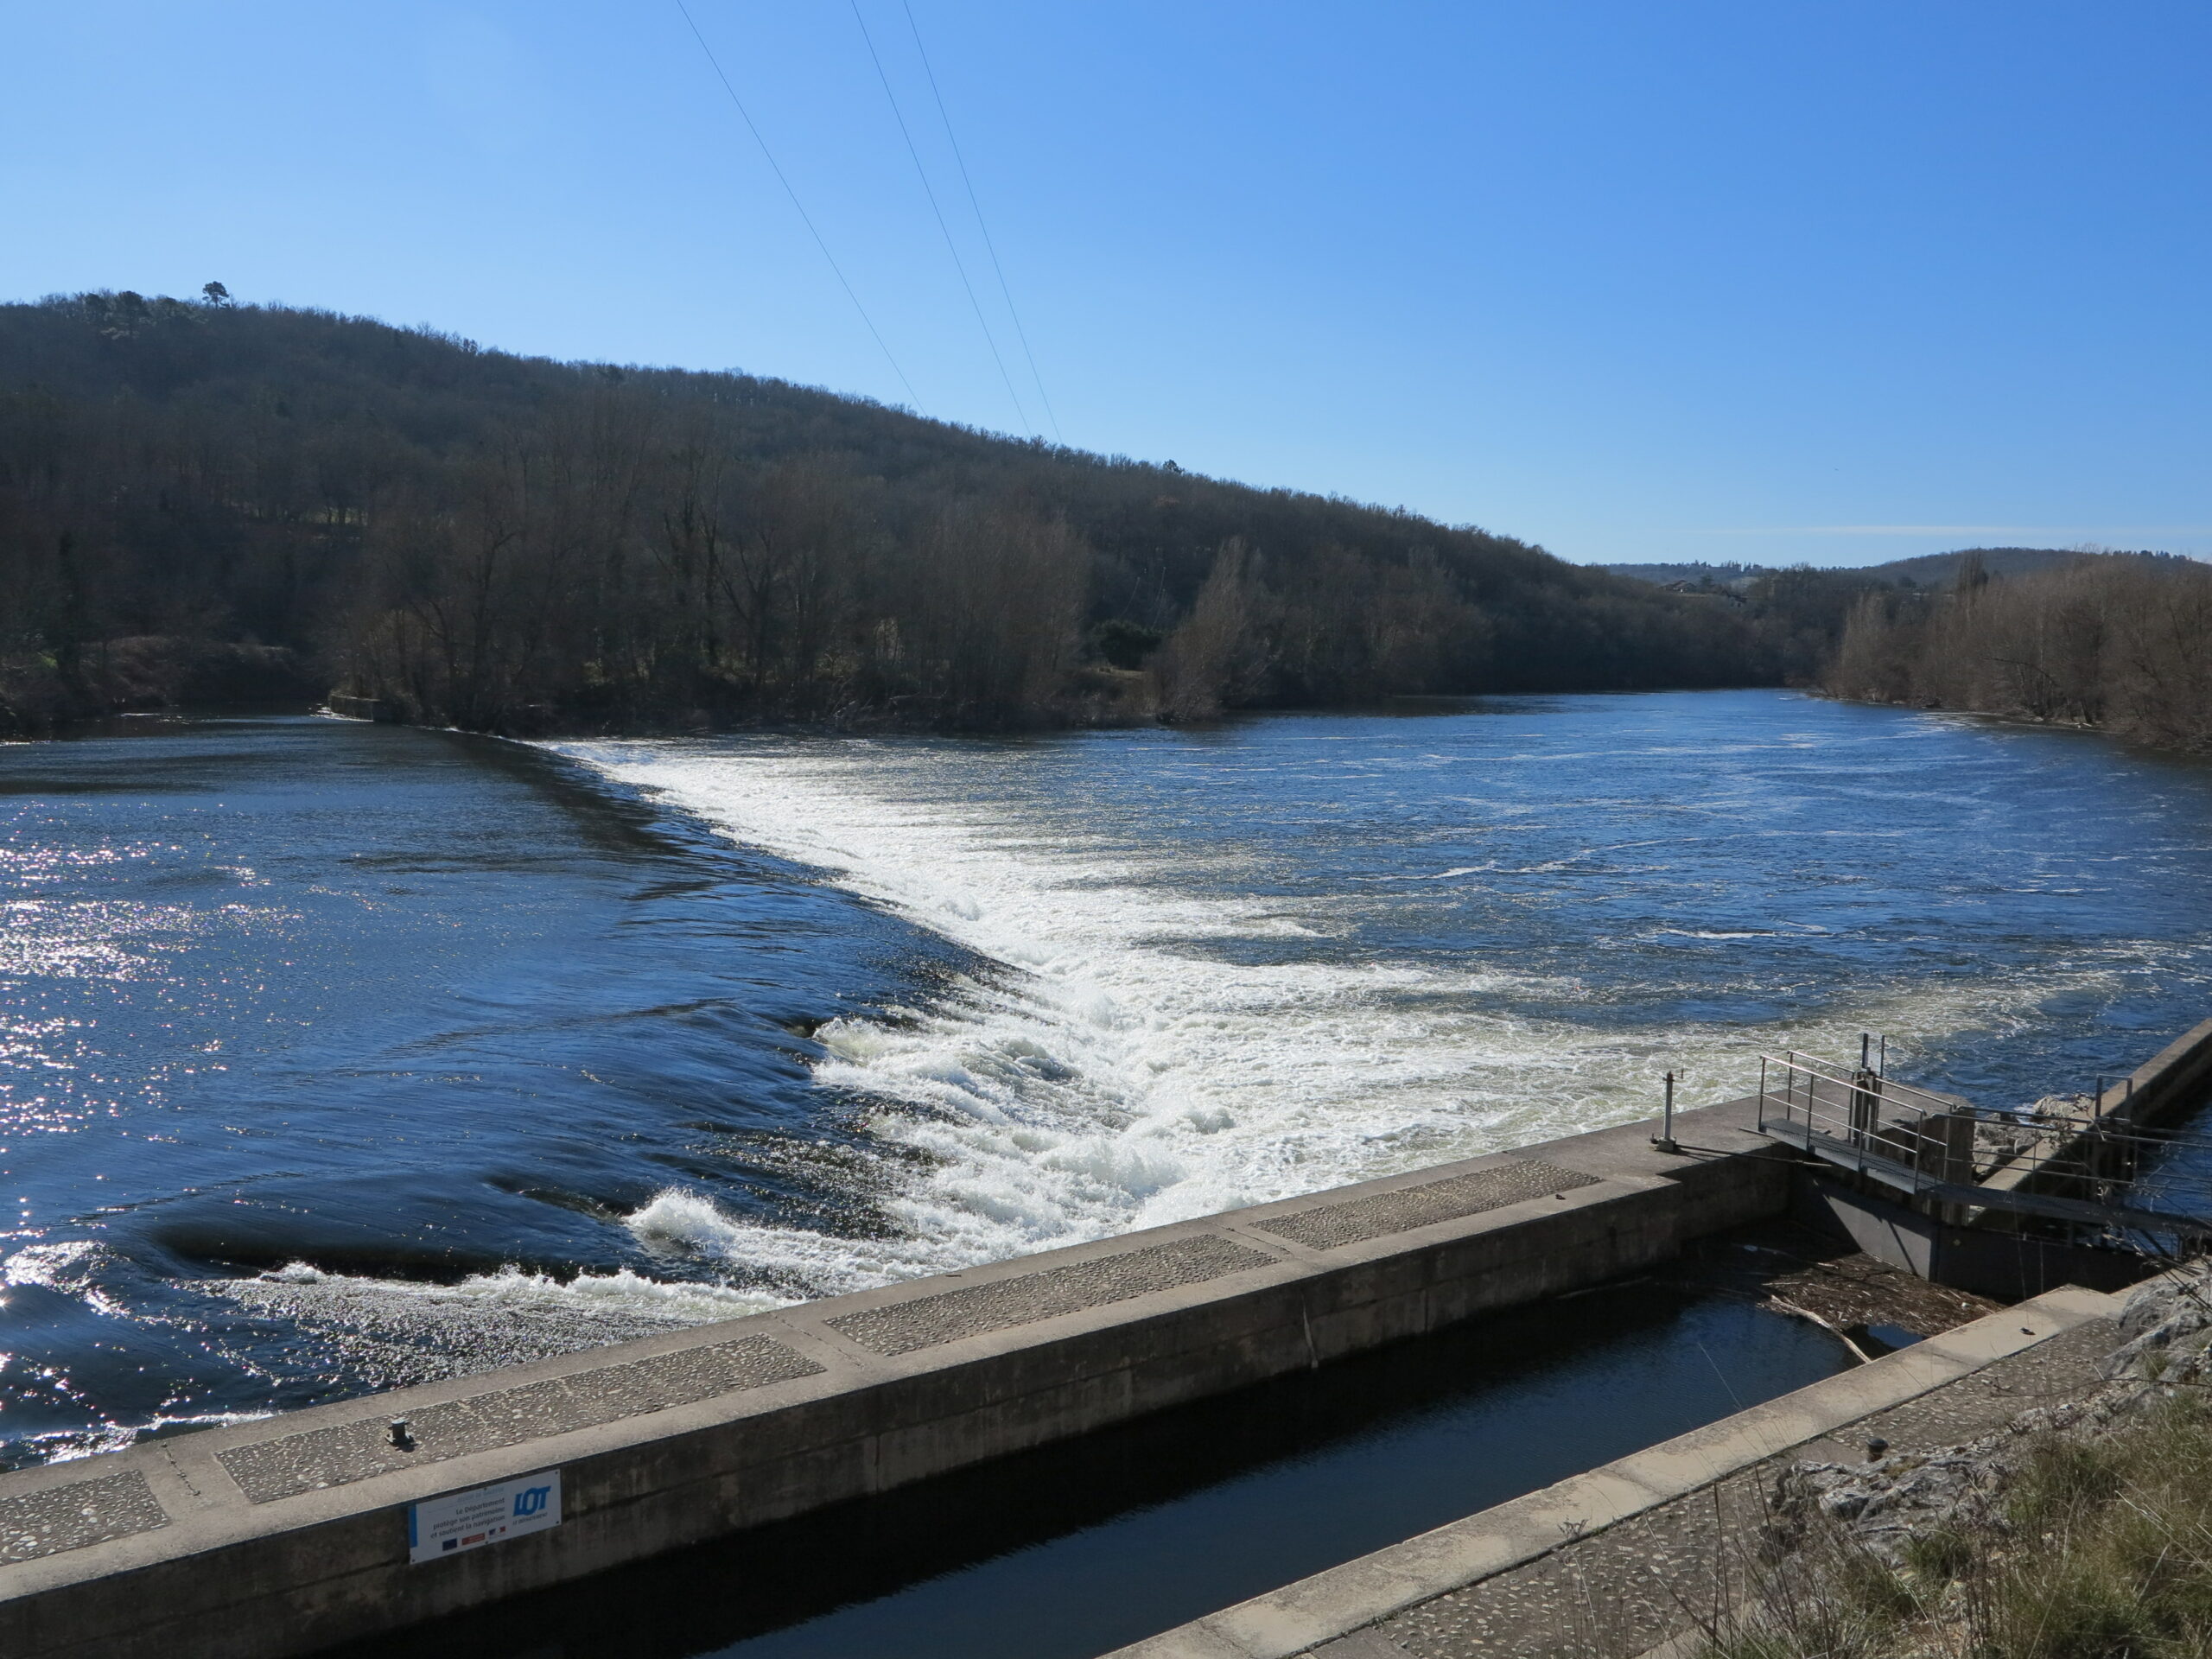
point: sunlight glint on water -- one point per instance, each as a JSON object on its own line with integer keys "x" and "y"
{"x": 334, "y": 1057}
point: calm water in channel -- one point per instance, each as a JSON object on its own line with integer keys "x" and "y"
{"x": 1078, "y": 1549}
{"x": 332, "y": 1056}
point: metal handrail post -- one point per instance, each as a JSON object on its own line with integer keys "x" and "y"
{"x": 1665, "y": 1139}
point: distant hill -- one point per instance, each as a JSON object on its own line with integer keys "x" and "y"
{"x": 1928, "y": 570}
{"x": 1717, "y": 576}
{"x": 1939, "y": 569}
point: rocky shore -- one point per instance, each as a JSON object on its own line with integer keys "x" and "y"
{"x": 2081, "y": 1529}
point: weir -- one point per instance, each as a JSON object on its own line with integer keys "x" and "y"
{"x": 368, "y": 1516}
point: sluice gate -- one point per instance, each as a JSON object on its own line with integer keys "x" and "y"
{"x": 2005, "y": 1202}
{"x": 1973, "y": 1161}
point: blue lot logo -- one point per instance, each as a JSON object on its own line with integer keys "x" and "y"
{"x": 531, "y": 1501}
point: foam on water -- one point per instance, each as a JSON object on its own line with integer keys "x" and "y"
{"x": 67, "y": 1445}
{"x": 398, "y": 1004}
{"x": 690, "y": 1228}
{"x": 396, "y": 1332}
{"x": 624, "y": 1293}
{"x": 1131, "y": 1071}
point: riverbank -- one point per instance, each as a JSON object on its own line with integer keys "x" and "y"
{"x": 2074, "y": 1526}
{"x": 2110, "y": 642}
{"x": 2013, "y": 719}
{"x": 42, "y": 696}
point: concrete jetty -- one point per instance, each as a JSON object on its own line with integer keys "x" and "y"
{"x": 367, "y": 1517}
{"x": 304, "y": 1530}
{"x": 2162, "y": 1089}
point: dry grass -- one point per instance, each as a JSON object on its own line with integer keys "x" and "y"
{"x": 2098, "y": 1548}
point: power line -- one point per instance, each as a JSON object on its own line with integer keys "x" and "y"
{"x": 950, "y": 246}
{"x": 769, "y": 157}
{"x": 1020, "y": 333}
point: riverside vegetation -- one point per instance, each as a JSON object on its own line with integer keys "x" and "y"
{"x": 2121, "y": 642}
{"x": 204, "y": 501}
{"x": 200, "y": 498}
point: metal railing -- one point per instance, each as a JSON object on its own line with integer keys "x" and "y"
{"x": 2076, "y": 1166}
{"x": 1884, "y": 1127}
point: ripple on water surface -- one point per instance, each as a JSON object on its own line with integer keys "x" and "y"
{"x": 334, "y": 1055}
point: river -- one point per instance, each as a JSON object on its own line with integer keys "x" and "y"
{"x": 333, "y": 1055}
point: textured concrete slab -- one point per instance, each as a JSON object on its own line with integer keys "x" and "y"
{"x": 359, "y": 1449}
{"x": 926, "y": 1321}
{"x": 1361, "y": 1644}
{"x": 1421, "y": 1572}
{"x": 82, "y": 1512}
{"x": 282, "y": 1536}
{"x": 1330, "y": 1226}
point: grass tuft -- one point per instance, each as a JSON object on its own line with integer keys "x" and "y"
{"x": 2063, "y": 1480}
{"x": 1942, "y": 1555}
{"x": 2101, "y": 1549}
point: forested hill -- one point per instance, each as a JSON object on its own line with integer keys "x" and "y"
{"x": 202, "y": 498}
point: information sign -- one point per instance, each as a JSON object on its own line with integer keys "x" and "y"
{"x": 443, "y": 1526}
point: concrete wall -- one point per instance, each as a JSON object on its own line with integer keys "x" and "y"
{"x": 2008, "y": 1265}
{"x": 2175, "y": 1078}
{"x": 2167, "y": 1085}
{"x": 1341, "y": 1612}
{"x": 282, "y": 1536}
{"x": 1995, "y": 1259}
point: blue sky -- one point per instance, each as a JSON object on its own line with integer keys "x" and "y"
{"x": 1770, "y": 281}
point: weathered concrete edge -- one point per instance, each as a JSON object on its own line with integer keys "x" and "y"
{"x": 2171, "y": 1078}
{"x": 299, "y": 1573}
{"x": 1343, "y": 1600}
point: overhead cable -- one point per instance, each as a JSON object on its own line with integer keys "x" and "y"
{"x": 1020, "y": 333}
{"x": 769, "y": 155}
{"x": 950, "y": 246}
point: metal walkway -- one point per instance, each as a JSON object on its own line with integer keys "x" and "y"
{"x": 1943, "y": 1149}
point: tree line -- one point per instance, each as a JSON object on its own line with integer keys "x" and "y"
{"x": 201, "y": 497}
{"x": 2121, "y": 642}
